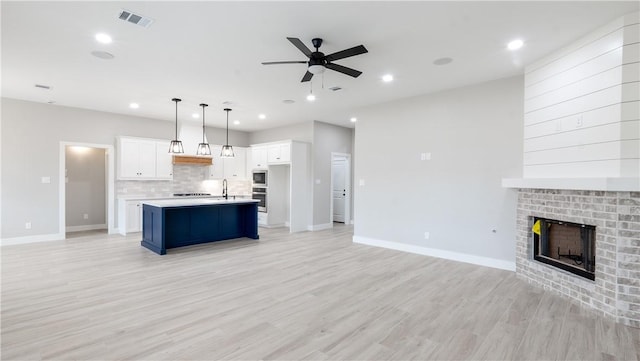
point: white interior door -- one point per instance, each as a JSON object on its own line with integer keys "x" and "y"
{"x": 339, "y": 173}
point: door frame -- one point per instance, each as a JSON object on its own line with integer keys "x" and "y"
{"x": 110, "y": 184}
{"x": 347, "y": 202}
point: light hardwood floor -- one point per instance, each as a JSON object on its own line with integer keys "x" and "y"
{"x": 312, "y": 295}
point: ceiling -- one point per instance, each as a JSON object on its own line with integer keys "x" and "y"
{"x": 211, "y": 52}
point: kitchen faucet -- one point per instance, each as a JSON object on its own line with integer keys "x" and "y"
{"x": 225, "y": 192}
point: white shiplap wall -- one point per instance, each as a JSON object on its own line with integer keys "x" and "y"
{"x": 582, "y": 106}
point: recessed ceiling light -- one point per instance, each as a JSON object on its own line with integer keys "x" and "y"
{"x": 103, "y": 38}
{"x": 262, "y": 116}
{"x": 236, "y": 122}
{"x": 442, "y": 61}
{"x": 311, "y": 97}
{"x": 387, "y": 78}
{"x": 515, "y": 44}
{"x": 134, "y": 105}
{"x": 102, "y": 55}
{"x": 353, "y": 119}
{"x": 195, "y": 115}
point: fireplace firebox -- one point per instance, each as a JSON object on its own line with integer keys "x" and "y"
{"x": 565, "y": 245}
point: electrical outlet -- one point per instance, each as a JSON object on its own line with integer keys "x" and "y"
{"x": 27, "y": 225}
{"x": 425, "y": 156}
{"x": 361, "y": 182}
{"x": 426, "y": 235}
{"x": 579, "y": 121}
{"x": 85, "y": 216}
{"x": 45, "y": 180}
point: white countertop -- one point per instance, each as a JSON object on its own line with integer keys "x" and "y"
{"x": 163, "y": 203}
{"x": 145, "y": 198}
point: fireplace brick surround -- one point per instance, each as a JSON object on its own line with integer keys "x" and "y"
{"x": 616, "y": 215}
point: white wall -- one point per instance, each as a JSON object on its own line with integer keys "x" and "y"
{"x": 327, "y": 138}
{"x": 302, "y": 132}
{"x": 474, "y": 135}
{"x": 582, "y": 106}
{"x": 24, "y": 197}
{"x": 86, "y": 187}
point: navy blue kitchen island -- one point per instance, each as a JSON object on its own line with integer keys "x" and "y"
{"x": 177, "y": 223}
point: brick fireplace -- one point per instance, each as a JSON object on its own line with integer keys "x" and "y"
{"x": 615, "y": 292}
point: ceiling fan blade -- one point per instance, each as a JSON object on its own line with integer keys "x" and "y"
{"x": 344, "y": 70}
{"x": 307, "y": 76}
{"x": 283, "y": 62}
{"x": 300, "y": 45}
{"x": 356, "y": 50}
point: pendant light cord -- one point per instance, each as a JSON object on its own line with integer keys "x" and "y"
{"x": 227, "y": 110}
{"x": 203, "y": 106}
{"x": 176, "y": 119}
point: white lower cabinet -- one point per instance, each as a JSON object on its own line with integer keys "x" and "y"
{"x": 129, "y": 216}
{"x": 262, "y": 218}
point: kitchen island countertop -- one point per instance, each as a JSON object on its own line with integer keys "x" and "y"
{"x": 168, "y": 203}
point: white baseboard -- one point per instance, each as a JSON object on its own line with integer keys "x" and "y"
{"x": 32, "y": 239}
{"x": 88, "y": 227}
{"x": 320, "y": 227}
{"x": 433, "y": 252}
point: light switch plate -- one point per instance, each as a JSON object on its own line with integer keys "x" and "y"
{"x": 361, "y": 182}
{"x": 46, "y": 180}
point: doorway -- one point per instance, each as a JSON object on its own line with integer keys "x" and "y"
{"x": 86, "y": 193}
{"x": 340, "y": 188}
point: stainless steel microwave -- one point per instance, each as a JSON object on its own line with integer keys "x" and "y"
{"x": 260, "y": 178}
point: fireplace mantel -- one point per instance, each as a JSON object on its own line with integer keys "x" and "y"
{"x": 628, "y": 184}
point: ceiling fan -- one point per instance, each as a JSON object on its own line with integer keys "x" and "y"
{"x": 318, "y": 62}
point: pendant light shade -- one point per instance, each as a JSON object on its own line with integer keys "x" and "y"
{"x": 203, "y": 148}
{"x": 176, "y": 145}
{"x": 227, "y": 150}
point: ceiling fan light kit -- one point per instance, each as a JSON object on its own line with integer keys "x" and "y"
{"x": 318, "y": 62}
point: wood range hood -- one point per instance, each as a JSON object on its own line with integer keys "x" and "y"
{"x": 192, "y": 160}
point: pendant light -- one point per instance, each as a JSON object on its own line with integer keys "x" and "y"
{"x": 227, "y": 150}
{"x": 176, "y": 145}
{"x": 203, "y": 148}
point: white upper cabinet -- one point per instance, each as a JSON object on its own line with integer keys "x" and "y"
{"x": 140, "y": 158}
{"x": 228, "y": 168}
{"x": 216, "y": 171}
{"x": 279, "y": 153}
{"x": 236, "y": 167}
{"x": 164, "y": 160}
{"x": 259, "y": 157}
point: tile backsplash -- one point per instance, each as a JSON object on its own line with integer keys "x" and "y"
{"x": 186, "y": 179}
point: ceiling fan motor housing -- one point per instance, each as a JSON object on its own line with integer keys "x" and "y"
{"x": 317, "y": 58}
{"x": 318, "y": 62}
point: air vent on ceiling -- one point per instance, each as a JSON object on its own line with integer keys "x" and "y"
{"x": 43, "y": 86}
{"x": 335, "y": 88}
{"x": 137, "y": 19}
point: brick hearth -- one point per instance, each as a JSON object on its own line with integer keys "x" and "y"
{"x": 616, "y": 215}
